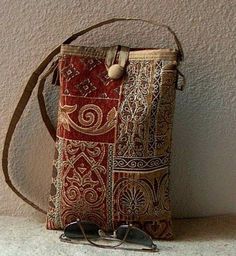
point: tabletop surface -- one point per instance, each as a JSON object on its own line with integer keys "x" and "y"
{"x": 199, "y": 236}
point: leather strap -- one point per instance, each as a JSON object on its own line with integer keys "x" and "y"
{"x": 183, "y": 82}
{"x": 124, "y": 55}
{"x": 106, "y": 22}
{"x": 31, "y": 84}
{"x": 41, "y": 101}
{"x": 111, "y": 55}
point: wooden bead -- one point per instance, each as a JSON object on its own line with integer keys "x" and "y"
{"x": 115, "y": 71}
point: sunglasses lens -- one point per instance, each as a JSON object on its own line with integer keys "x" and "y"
{"x": 73, "y": 230}
{"x": 135, "y": 235}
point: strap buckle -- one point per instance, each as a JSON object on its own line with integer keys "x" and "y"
{"x": 180, "y": 85}
{"x": 116, "y": 71}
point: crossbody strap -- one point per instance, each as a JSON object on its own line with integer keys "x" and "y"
{"x": 106, "y": 22}
{"x": 31, "y": 84}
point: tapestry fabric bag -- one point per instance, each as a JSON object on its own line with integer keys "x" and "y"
{"x": 113, "y": 135}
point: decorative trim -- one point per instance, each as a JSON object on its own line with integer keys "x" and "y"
{"x": 100, "y": 53}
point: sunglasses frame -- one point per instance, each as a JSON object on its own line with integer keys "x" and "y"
{"x": 103, "y": 235}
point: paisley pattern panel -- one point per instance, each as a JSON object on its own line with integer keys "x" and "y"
{"x": 82, "y": 168}
{"x": 112, "y": 153}
{"x": 79, "y": 118}
{"x": 84, "y": 178}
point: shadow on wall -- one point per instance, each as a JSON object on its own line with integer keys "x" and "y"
{"x": 31, "y": 155}
{"x": 201, "y": 145}
{"x": 185, "y": 136}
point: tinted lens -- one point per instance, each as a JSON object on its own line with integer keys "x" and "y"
{"x": 135, "y": 235}
{"x": 73, "y": 230}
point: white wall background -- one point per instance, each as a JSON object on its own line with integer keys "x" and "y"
{"x": 203, "y": 180}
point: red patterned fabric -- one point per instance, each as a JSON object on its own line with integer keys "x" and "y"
{"x": 113, "y": 144}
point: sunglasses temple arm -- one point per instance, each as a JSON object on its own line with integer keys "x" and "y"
{"x": 103, "y": 246}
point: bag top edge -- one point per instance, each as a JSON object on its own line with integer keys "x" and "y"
{"x": 135, "y": 53}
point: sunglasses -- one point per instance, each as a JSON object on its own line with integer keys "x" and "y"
{"x": 75, "y": 231}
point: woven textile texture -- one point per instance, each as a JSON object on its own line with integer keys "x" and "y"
{"x": 113, "y": 142}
